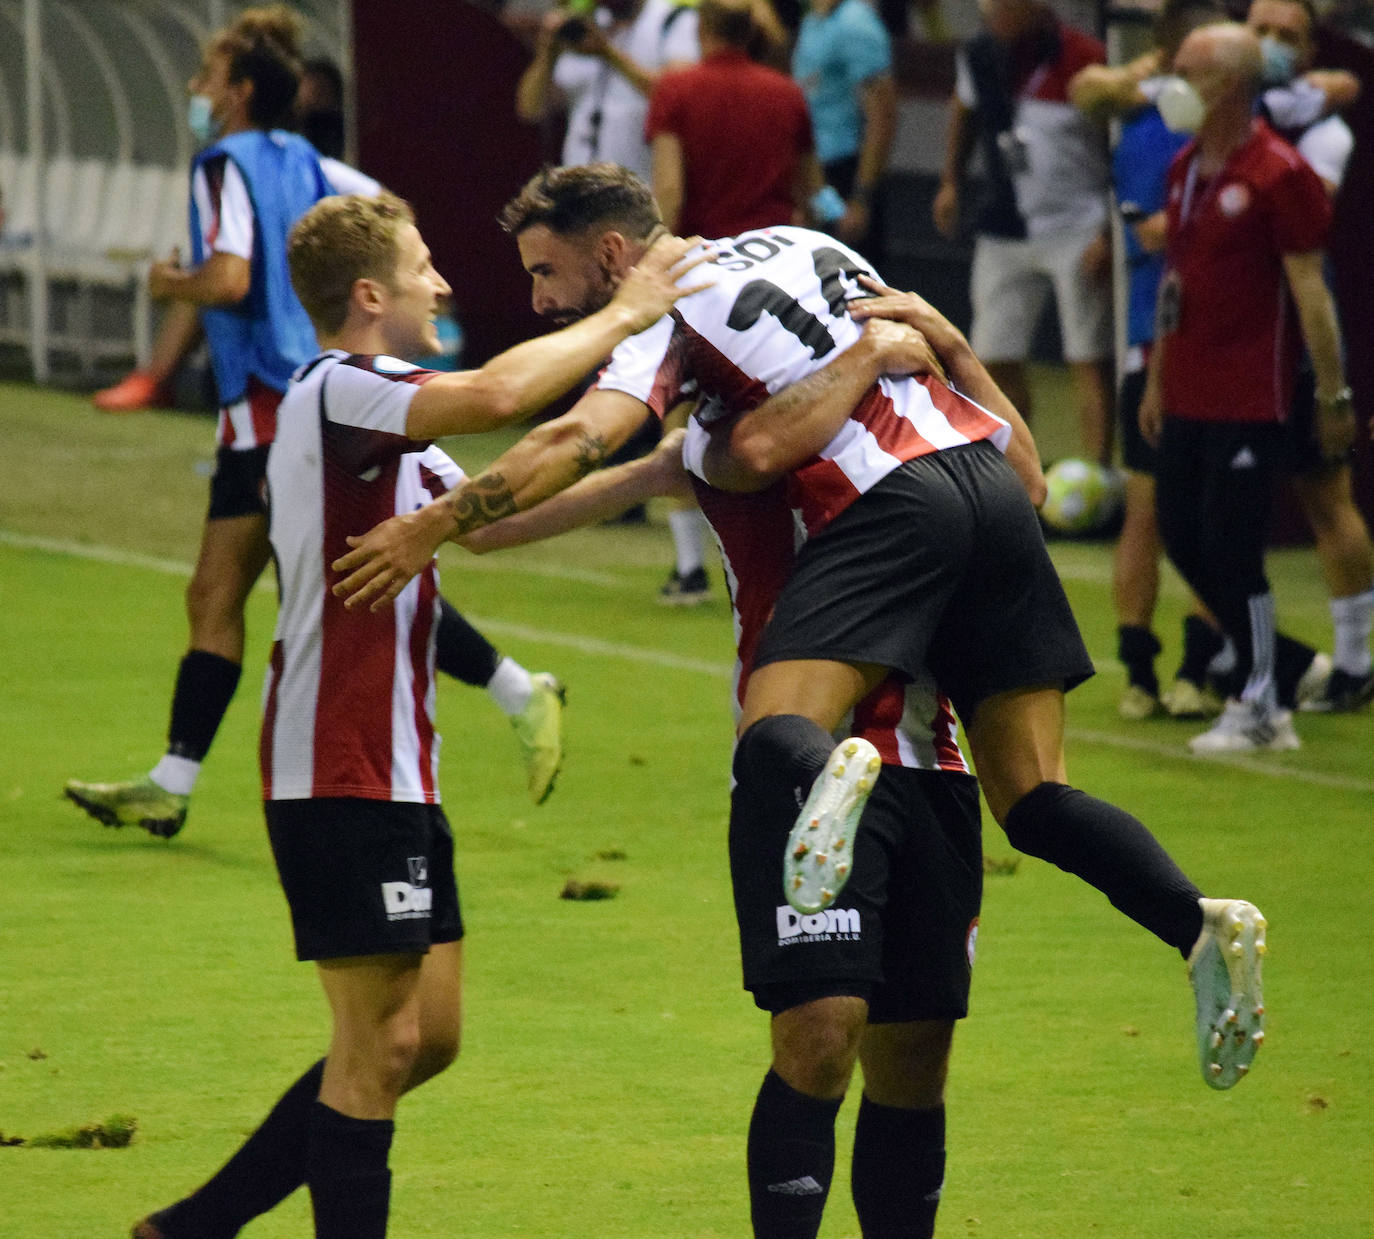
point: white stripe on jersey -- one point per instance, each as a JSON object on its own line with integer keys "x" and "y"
{"x": 774, "y": 314}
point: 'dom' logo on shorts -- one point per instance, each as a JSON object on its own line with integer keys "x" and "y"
{"x": 408, "y": 901}
{"x": 834, "y": 924}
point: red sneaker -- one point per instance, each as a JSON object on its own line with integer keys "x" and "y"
{"x": 139, "y": 390}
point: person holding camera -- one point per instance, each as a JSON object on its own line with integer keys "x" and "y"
{"x": 602, "y": 62}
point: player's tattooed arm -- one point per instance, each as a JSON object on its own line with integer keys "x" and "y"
{"x": 591, "y": 453}
{"x": 758, "y": 447}
{"x": 550, "y": 457}
{"x": 485, "y": 499}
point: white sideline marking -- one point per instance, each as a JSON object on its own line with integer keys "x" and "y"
{"x": 175, "y": 567}
{"x": 678, "y": 662}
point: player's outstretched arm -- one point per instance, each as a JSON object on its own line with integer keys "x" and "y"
{"x": 760, "y": 446}
{"x": 524, "y": 379}
{"x": 599, "y": 497}
{"x": 964, "y": 368}
{"x": 550, "y": 457}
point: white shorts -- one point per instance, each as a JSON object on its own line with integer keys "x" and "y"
{"x": 1010, "y": 280}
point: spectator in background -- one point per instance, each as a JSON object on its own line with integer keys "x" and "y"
{"x": 1043, "y": 222}
{"x": 732, "y": 151}
{"x": 1247, "y": 220}
{"x": 604, "y": 65}
{"x": 843, "y": 62}
{"x": 1285, "y": 29}
{"x": 318, "y": 117}
{"x": 1140, "y": 166}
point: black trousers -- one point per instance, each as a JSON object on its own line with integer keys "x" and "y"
{"x": 1213, "y": 493}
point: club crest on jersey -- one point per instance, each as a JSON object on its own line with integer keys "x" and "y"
{"x": 832, "y": 925}
{"x": 1233, "y": 200}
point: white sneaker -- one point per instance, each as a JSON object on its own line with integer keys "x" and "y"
{"x": 1312, "y": 686}
{"x": 1245, "y": 727}
{"x": 1138, "y": 703}
{"x": 1184, "y": 699}
{"x": 820, "y": 848}
{"x": 1224, "y": 967}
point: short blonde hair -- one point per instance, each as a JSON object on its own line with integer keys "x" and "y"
{"x": 340, "y": 240}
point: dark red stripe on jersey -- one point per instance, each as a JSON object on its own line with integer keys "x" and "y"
{"x": 878, "y": 717}
{"x": 432, "y": 482}
{"x": 715, "y": 373}
{"x": 821, "y": 491}
{"x": 269, "y": 719}
{"x": 353, "y": 734}
{"x": 896, "y": 435}
{"x": 969, "y": 419}
{"x": 943, "y": 728}
{"x": 425, "y": 615}
{"x": 262, "y": 408}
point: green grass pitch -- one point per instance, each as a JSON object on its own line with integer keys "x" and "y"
{"x": 610, "y": 1057}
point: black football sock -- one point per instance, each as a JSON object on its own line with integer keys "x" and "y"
{"x": 898, "y": 1170}
{"x": 1111, "y": 850}
{"x": 1136, "y": 648}
{"x": 268, "y": 1167}
{"x": 778, "y": 759}
{"x": 1201, "y": 644}
{"x": 791, "y": 1160}
{"x": 461, "y": 651}
{"x": 346, "y": 1168}
{"x": 205, "y": 687}
{"x": 1291, "y": 660}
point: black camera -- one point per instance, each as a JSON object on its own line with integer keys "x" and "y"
{"x": 574, "y": 30}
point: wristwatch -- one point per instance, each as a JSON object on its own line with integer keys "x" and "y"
{"x": 1342, "y": 399}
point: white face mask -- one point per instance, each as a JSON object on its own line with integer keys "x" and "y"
{"x": 1180, "y": 106}
{"x": 200, "y": 118}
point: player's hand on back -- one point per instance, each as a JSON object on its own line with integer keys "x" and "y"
{"x": 910, "y": 308}
{"x": 900, "y": 350}
{"x": 650, "y": 288}
{"x": 384, "y": 559}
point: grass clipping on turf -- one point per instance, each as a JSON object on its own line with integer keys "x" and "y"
{"x": 116, "y": 1132}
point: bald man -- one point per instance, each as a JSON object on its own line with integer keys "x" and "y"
{"x": 1247, "y": 222}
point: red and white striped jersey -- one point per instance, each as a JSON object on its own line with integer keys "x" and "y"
{"x": 775, "y": 314}
{"x": 348, "y": 705}
{"x": 910, "y": 724}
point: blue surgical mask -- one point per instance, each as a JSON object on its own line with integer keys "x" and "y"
{"x": 200, "y": 118}
{"x": 1280, "y": 62}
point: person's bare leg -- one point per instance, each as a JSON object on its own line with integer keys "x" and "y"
{"x": 1092, "y": 395}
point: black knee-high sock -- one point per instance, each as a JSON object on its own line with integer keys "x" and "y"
{"x": 268, "y": 1167}
{"x": 1111, "y": 850}
{"x": 346, "y": 1168}
{"x": 778, "y": 759}
{"x": 1136, "y": 648}
{"x": 898, "y": 1170}
{"x": 461, "y": 651}
{"x": 205, "y": 687}
{"x": 791, "y": 1160}
{"x": 1201, "y": 644}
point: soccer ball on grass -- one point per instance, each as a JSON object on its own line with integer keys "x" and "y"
{"x": 1082, "y": 498}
